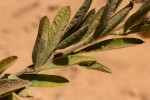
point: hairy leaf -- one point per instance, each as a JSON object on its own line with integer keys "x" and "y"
{"x": 41, "y": 48}
{"x": 137, "y": 16}
{"x": 118, "y": 4}
{"x": 96, "y": 66}
{"x": 111, "y": 7}
{"x": 142, "y": 28}
{"x": 77, "y": 18}
{"x": 8, "y": 86}
{"x": 43, "y": 80}
{"x": 88, "y": 18}
{"x": 117, "y": 19}
{"x": 93, "y": 24}
{"x": 58, "y": 26}
{"x": 7, "y": 62}
{"x": 115, "y": 43}
{"x": 74, "y": 38}
{"x": 85, "y": 21}
{"x": 67, "y": 61}
{"x": 107, "y": 13}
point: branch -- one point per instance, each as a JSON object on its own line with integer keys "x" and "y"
{"x": 71, "y": 49}
{"x": 28, "y": 69}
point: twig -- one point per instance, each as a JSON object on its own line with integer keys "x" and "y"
{"x": 73, "y": 48}
{"x": 28, "y": 69}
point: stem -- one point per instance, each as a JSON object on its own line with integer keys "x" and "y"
{"x": 71, "y": 49}
{"x": 28, "y": 69}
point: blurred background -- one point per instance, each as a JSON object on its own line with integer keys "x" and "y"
{"x": 130, "y": 79}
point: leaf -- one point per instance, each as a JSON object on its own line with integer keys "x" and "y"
{"x": 88, "y": 19}
{"x": 15, "y": 96}
{"x": 118, "y": 4}
{"x": 96, "y": 66}
{"x": 8, "y": 86}
{"x": 142, "y": 28}
{"x": 107, "y": 13}
{"x": 93, "y": 24}
{"x": 43, "y": 80}
{"x": 115, "y": 43}
{"x": 66, "y": 61}
{"x": 58, "y": 26}
{"x": 85, "y": 21}
{"x": 73, "y": 39}
{"x": 26, "y": 92}
{"x": 7, "y": 62}
{"x": 41, "y": 48}
{"x": 117, "y": 19}
{"x": 77, "y": 18}
{"x": 137, "y": 16}
{"x": 12, "y": 96}
{"x": 111, "y": 7}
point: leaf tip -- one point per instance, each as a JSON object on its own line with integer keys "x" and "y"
{"x": 105, "y": 69}
{"x": 67, "y": 7}
{"x": 15, "y": 57}
{"x": 45, "y": 18}
{"x": 133, "y": 40}
{"x": 141, "y": 41}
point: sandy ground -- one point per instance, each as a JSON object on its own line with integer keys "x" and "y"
{"x": 131, "y": 66}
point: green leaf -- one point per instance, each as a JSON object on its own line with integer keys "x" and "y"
{"x": 7, "y": 62}
{"x": 77, "y": 18}
{"x": 12, "y": 96}
{"x": 96, "y": 66}
{"x": 66, "y": 61}
{"x": 58, "y": 27}
{"x": 137, "y": 16}
{"x": 15, "y": 97}
{"x": 107, "y": 13}
{"x": 118, "y": 4}
{"x": 117, "y": 19}
{"x": 141, "y": 28}
{"x": 41, "y": 48}
{"x": 8, "y": 86}
{"x": 111, "y": 7}
{"x": 115, "y": 43}
{"x": 85, "y": 21}
{"x": 26, "y": 92}
{"x": 43, "y": 80}
{"x": 93, "y": 24}
{"x": 88, "y": 19}
{"x": 74, "y": 38}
